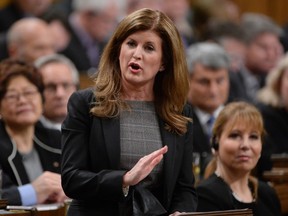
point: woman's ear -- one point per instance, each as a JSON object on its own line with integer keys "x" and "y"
{"x": 162, "y": 68}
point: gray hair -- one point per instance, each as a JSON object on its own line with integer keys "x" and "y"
{"x": 93, "y": 5}
{"x": 58, "y": 58}
{"x": 255, "y": 24}
{"x": 270, "y": 93}
{"x": 208, "y": 54}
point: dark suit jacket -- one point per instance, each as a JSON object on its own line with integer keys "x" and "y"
{"x": 77, "y": 53}
{"x": 9, "y": 15}
{"x": 276, "y": 126}
{"x": 201, "y": 143}
{"x": 91, "y": 160}
{"x": 215, "y": 195}
{"x": 47, "y": 144}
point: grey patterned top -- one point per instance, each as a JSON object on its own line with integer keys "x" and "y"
{"x": 139, "y": 136}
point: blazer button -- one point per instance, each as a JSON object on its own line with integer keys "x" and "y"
{"x": 56, "y": 164}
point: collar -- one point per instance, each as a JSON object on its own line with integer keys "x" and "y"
{"x": 204, "y": 116}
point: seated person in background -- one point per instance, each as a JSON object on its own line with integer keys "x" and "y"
{"x": 60, "y": 78}
{"x": 28, "y": 39}
{"x": 208, "y": 65}
{"x": 90, "y": 26}
{"x": 273, "y": 105}
{"x": 30, "y": 153}
{"x": 237, "y": 142}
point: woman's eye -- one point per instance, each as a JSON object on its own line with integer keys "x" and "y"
{"x": 234, "y": 135}
{"x": 254, "y": 136}
{"x": 150, "y": 48}
{"x": 131, "y": 43}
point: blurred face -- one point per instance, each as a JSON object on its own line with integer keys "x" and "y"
{"x": 61, "y": 36}
{"x": 284, "y": 88}
{"x": 176, "y": 10}
{"x": 35, "y": 44}
{"x": 239, "y": 147}
{"x": 102, "y": 24}
{"x": 22, "y": 103}
{"x": 140, "y": 60}
{"x": 59, "y": 86}
{"x": 263, "y": 53}
{"x": 35, "y": 7}
{"x": 208, "y": 88}
{"x": 236, "y": 51}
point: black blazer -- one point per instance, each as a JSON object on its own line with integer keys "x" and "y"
{"x": 201, "y": 143}
{"x": 47, "y": 144}
{"x": 91, "y": 159}
{"x": 215, "y": 195}
{"x": 276, "y": 126}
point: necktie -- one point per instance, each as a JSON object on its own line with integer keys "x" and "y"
{"x": 209, "y": 124}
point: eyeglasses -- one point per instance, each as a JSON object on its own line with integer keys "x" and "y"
{"x": 14, "y": 96}
{"x": 52, "y": 87}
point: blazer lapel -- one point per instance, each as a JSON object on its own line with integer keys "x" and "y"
{"x": 111, "y": 131}
{"x": 170, "y": 140}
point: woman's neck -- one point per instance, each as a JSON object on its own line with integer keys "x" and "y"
{"x": 238, "y": 183}
{"x": 23, "y": 137}
{"x": 139, "y": 94}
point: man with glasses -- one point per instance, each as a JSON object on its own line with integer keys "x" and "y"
{"x": 61, "y": 79}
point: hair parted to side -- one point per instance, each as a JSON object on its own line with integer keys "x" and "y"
{"x": 234, "y": 113}
{"x": 171, "y": 85}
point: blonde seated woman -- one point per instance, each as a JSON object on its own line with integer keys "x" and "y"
{"x": 237, "y": 143}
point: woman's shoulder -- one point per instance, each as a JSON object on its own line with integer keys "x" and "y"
{"x": 213, "y": 184}
{"x": 268, "y": 198}
{"x": 82, "y": 99}
{"x": 265, "y": 188}
{"x": 213, "y": 194}
{"x": 86, "y": 94}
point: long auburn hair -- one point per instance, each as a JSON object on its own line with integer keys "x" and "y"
{"x": 171, "y": 85}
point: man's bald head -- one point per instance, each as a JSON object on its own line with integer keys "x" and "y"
{"x": 29, "y": 38}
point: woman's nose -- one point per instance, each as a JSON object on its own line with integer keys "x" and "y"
{"x": 137, "y": 53}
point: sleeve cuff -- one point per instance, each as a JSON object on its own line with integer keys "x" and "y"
{"x": 28, "y": 195}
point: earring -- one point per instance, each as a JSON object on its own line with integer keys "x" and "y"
{"x": 162, "y": 68}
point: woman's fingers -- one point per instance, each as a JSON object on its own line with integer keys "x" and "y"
{"x": 143, "y": 167}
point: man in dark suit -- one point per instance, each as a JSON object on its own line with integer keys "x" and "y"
{"x": 208, "y": 65}
{"x": 91, "y": 24}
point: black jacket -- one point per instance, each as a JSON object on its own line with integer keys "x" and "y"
{"x": 215, "y": 195}
{"x": 91, "y": 160}
{"x": 46, "y": 143}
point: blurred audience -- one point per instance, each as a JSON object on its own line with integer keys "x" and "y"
{"x": 61, "y": 79}
{"x": 263, "y": 51}
{"x": 133, "y": 5}
{"x": 208, "y": 65}
{"x": 59, "y": 27}
{"x": 273, "y": 100}
{"x": 28, "y": 39}
{"x": 178, "y": 11}
{"x": 30, "y": 153}
{"x": 18, "y": 9}
{"x": 91, "y": 25}
{"x": 231, "y": 37}
{"x": 237, "y": 143}
{"x": 203, "y": 12}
